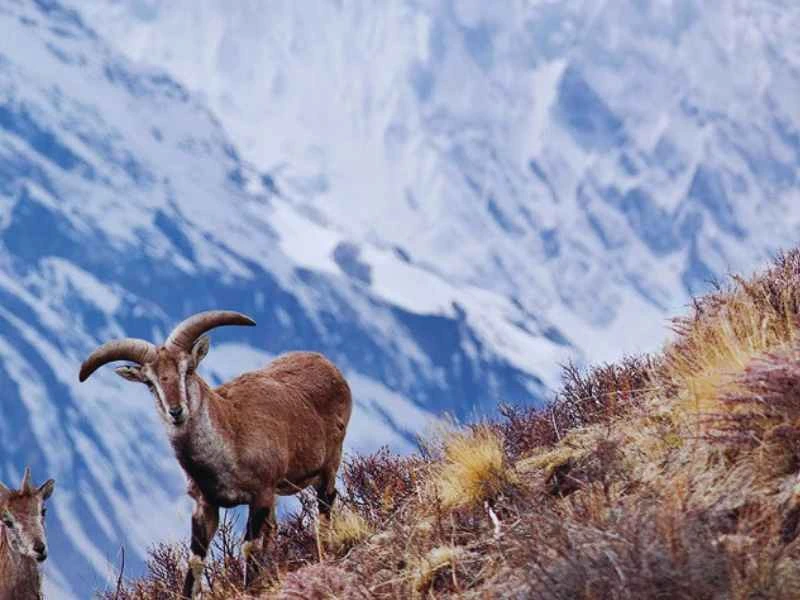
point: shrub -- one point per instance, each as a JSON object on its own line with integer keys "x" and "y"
{"x": 377, "y": 484}
{"x": 605, "y": 392}
{"x": 598, "y": 395}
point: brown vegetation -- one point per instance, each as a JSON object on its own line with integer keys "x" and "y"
{"x": 674, "y": 476}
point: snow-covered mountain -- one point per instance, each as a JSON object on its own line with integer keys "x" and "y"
{"x": 448, "y": 198}
{"x": 124, "y": 208}
{"x": 594, "y": 160}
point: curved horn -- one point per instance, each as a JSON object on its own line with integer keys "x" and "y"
{"x": 25, "y": 486}
{"x": 134, "y": 350}
{"x": 185, "y": 334}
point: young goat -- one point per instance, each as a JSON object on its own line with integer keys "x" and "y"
{"x": 275, "y": 430}
{"x": 22, "y": 539}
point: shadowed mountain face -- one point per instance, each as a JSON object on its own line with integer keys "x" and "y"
{"x": 449, "y": 200}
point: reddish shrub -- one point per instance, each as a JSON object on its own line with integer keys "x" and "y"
{"x": 375, "y": 485}
{"x": 765, "y": 406}
{"x": 600, "y": 394}
{"x": 604, "y": 392}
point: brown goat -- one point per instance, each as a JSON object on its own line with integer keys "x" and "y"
{"x": 22, "y": 539}
{"x": 272, "y": 431}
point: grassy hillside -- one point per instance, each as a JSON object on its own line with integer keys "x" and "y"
{"x": 667, "y": 476}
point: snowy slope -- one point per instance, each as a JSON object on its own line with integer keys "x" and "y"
{"x": 124, "y": 207}
{"x": 595, "y": 161}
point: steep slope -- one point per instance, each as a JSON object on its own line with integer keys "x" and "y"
{"x": 595, "y": 161}
{"x": 675, "y": 475}
{"x": 124, "y": 208}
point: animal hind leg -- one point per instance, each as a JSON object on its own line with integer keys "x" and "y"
{"x": 326, "y": 496}
{"x": 326, "y": 491}
{"x": 261, "y": 523}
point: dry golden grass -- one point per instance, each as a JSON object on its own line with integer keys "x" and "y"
{"x": 472, "y": 468}
{"x": 345, "y": 529}
{"x": 549, "y": 460}
{"x": 437, "y": 559}
{"x": 728, "y": 330}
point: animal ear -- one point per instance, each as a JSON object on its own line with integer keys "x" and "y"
{"x": 131, "y": 373}
{"x": 200, "y": 349}
{"x": 46, "y": 489}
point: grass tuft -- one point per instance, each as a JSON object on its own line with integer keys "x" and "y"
{"x": 433, "y": 564}
{"x": 346, "y": 528}
{"x": 473, "y": 468}
{"x": 728, "y": 329}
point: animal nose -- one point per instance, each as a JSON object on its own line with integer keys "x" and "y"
{"x": 176, "y": 412}
{"x": 41, "y": 551}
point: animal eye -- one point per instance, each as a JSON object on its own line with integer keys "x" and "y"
{"x": 44, "y": 511}
{"x": 8, "y": 523}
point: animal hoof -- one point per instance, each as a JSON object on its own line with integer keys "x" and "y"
{"x": 196, "y": 566}
{"x": 247, "y": 549}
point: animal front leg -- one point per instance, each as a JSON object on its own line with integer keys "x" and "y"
{"x": 261, "y": 523}
{"x": 205, "y": 520}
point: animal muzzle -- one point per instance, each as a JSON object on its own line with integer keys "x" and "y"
{"x": 178, "y": 414}
{"x": 40, "y": 550}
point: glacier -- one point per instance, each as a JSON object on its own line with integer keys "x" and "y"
{"x": 449, "y": 198}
